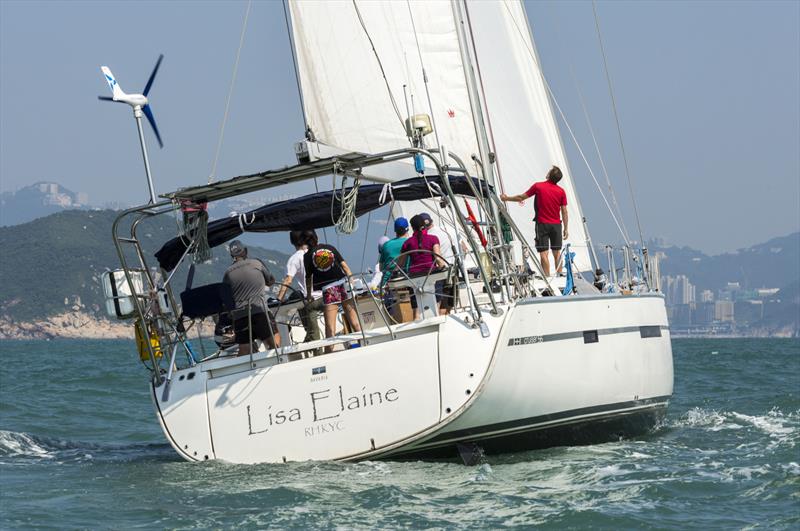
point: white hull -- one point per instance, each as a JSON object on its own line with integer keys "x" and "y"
{"x": 534, "y": 381}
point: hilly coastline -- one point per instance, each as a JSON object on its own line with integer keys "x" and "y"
{"x": 50, "y": 271}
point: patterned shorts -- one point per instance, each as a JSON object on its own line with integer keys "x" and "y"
{"x": 334, "y": 294}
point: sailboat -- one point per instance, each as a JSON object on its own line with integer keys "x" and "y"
{"x": 411, "y": 106}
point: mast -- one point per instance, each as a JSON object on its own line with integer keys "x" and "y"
{"x": 459, "y": 6}
{"x": 468, "y": 61}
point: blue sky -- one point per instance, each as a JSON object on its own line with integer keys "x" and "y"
{"x": 708, "y": 95}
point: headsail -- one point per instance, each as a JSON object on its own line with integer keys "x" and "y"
{"x": 521, "y": 125}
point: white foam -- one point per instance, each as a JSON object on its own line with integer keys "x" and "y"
{"x": 779, "y": 427}
{"x": 21, "y": 444}
{"x": 792, "y": 468}
{"x": 772, "y": 424}
{"x": 608, "y": 471}
{"x": 483, "y": 473}
{"x": 704, "y": 418}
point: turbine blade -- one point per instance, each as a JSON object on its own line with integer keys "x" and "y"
{"x": 116, "y": 90}
{"x": 153, "y": 75}
{"x": 149, "y": 114}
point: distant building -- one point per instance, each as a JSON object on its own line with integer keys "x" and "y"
{"x": 678, "y": 290}
{"x": 37, "y": 200}
{"x": 682, "y": 315}
{"x": 748, "y": 311}
{"x": 767, "y": 292}
{"x": 706, "y": 296}
{"x": 704, "y": 313}
{"x": 723, "y": 311}
{"x": 746, "y": 295}
{"x": 730, "y": 291}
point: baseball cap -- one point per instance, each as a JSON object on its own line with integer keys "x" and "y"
{"x": 417, "y": 223}
{"x": 237, "y": 249}
{"x": 400, "y": 224}
{"x": 426, "y": 219}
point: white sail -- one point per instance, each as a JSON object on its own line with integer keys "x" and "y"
{"x": 354, "y": 99}
{"x": 521, "y": 124}
{"x": 348, "y": 102}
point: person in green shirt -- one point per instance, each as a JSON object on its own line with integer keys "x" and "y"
{"x": 391, "y": 249}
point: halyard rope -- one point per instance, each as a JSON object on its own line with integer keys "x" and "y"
{"x": 619, "y": 129}
{"x": 230, "y": 93}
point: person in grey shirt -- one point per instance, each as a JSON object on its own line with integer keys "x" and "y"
{"x": 248, "y": 278}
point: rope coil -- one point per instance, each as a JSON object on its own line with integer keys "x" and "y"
{"x": 195, "y": 228}
{"x": 347, "y": 222}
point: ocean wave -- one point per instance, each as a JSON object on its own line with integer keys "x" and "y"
{"x": 16, "y": 447}
{"x": 775, "y": 423}
{"x": 13, "y": 444}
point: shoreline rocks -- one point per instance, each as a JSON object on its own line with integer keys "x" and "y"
{"x": 67, "y": 325}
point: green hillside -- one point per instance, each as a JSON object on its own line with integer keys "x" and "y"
{"x": 53, "y": 263}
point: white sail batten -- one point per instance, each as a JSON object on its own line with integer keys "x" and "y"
{"x": 522, "y": 125}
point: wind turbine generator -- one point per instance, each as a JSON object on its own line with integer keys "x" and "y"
{"x": 140, "y": 105}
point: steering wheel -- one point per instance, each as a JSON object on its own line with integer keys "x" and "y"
{"x": 294, "y": 296}
{"x": 406, "y": 256}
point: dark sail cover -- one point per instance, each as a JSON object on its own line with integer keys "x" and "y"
{"x": 314, "y": 212}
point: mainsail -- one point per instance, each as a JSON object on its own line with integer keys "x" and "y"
{"x": 360, "y": 62}
{"x": 353, "y": 94}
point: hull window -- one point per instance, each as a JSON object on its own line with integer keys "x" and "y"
{"x": 650, "y": 331}
{"x": 590, "y": 336}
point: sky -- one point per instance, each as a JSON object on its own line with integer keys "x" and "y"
{"x": 707, "y": 94}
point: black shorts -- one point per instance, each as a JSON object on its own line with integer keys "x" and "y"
{"x": 448, "y": 297}
{"x": 260, "y": 328}
{"x": 548, "y": 236}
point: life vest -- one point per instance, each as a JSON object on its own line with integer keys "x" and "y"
{"x": 141, "y": 342}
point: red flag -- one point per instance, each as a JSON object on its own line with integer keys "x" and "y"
{"x": 474, "y": 220}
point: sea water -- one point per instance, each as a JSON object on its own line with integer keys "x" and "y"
{"x": 80, "y": 448}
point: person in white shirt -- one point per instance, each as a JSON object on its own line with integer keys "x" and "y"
{"x": 296, "y": 278}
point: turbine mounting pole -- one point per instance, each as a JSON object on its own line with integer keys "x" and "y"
{"x": 137, "y": 114}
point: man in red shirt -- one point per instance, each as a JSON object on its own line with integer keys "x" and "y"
{"x": 550, "y": 206}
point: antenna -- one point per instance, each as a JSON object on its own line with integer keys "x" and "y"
{"x": 140, "y": 105}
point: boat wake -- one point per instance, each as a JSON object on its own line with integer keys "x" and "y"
{"x": 13, "y": 444}
{"x": 781, "y": 428}
{"x": 20, "y": 447}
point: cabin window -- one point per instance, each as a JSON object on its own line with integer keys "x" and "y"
{"x": 650, "y": 331}
{"x": 590, "y": 336}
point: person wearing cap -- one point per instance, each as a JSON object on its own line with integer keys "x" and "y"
{"x": 419, "y": 262}
{"x": 391, "y": 249}
{"x": 445, "y": 297}
{"x": 296, "y": 278}
{"x": 248, "y": 279}
{"x": 422, "y": 262}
